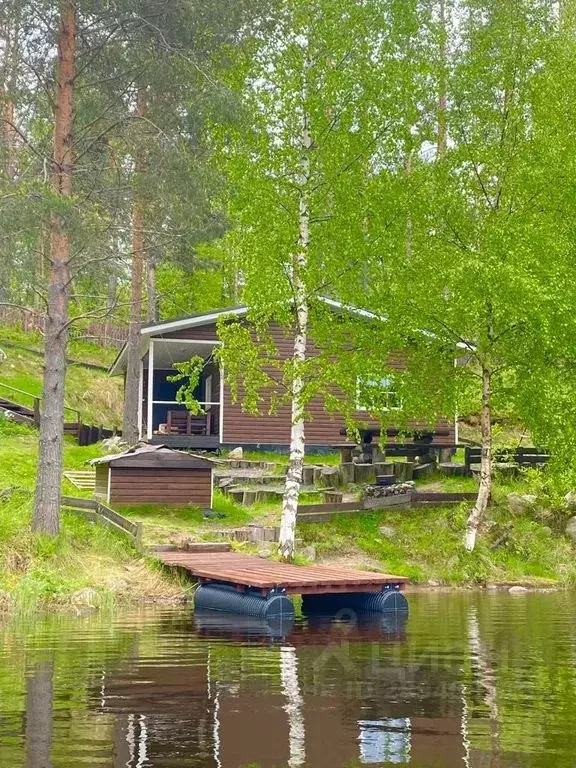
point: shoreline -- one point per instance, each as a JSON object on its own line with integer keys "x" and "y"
{"x": 82, "y": 605}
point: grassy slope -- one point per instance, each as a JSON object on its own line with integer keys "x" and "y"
{"x": 37, "y": 570}
{"x": 426, "y": 545}
{"x": 96, "y": 395}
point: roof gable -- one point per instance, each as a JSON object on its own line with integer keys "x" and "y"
{"x": 207, "y": 318}
{"x": 159, "y": 456}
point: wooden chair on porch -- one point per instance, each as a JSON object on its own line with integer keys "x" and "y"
{"x": 184, "y": 423}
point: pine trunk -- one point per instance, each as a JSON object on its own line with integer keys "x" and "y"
{"x": 110, "y": 302}
{"x": 46, "y": 518}
{"x": 152, "y": 295}
{"x": 8, "y": 78}
{"x": 130, "y": 427}
{"x": 485, "y": 490}
{"x": 39, "y": 706}
{"x": 297, "y": 436}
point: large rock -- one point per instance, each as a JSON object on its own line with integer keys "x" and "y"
{"x": 387, "y": 531}
{"x": 86, "y": 597}
{"x": 309, "y": 552}
{"x": 114, "y": 444}
{"x": 236, "y": 454}
{"x": 571, "y": 529}
{"x": 570, "y": 500}
{"x": 521, "y": 504}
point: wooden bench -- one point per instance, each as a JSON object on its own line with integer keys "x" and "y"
{"x": 184, "y": 423}
{"x": 523, "y": 457}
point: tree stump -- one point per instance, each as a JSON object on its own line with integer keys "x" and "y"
{"x": 365, "y": 473}
{"x": 347, "y": 472}
{"x": 308, "y": 474}
{"x": 329, "y": 476}
{"x": 404, "y": 470}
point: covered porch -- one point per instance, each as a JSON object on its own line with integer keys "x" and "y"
{"x": 162, "y": 418}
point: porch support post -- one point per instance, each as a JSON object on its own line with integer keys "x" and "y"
{"x": 150, "y": 389}
{"x": 221, "y": 408}
{"x": 140, "y": 398}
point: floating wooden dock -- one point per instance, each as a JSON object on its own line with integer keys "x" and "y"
{"x": 247, "y": 572}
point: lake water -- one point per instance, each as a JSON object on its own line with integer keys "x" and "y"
{"x": 470, "y": 679}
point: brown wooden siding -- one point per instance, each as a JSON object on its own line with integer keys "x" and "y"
{"x": 169, "y": 487}
{"x": 322, "y": 428}
{"x": 101, "y": 483}
{"x": 202, "y": 333}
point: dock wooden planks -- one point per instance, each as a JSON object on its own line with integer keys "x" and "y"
{"x": 246, "y": 571}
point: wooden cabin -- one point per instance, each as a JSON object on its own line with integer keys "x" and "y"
{"x": 154, "y": 474}
{"x": 224, "y": 424}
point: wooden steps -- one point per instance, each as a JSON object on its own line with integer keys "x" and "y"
{"x": 84, "y": 479}
{"x": 195, "y": 546}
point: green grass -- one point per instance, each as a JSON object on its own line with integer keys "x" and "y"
{"x": 426, "y": 545}
{"x": 188, "y": 518}
{"x": 39, "y": 571}
{"x": 19, "y": 453}
{"x": 96, "y": 395}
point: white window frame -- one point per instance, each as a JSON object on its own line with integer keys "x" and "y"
{"x": 384, "y": 381}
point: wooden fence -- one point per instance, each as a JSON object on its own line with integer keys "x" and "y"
{"x": 100, "y": 513}
{"x": 31, "y": 320}
{"x": 26, "y": 407}
{"x": 322, "y": 513}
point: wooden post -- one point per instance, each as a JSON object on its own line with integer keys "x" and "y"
{"x": 138, "y": 538}
{"x": 150, "y": 389}
{"x": 36, "y": 411}
{"x": 140, "y": 398}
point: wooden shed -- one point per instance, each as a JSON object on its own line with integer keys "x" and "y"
{"x": 154, "y": 474}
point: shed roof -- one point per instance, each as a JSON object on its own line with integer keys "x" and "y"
{"x": 155, "y": 456}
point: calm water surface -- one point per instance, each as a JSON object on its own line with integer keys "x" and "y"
{"x": 469, "y": 680}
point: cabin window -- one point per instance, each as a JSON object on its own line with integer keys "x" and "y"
{"x": 377, "y": 395}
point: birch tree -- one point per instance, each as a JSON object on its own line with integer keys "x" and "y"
{"x": 487, "y": 255}
{"x": 324, "y": 102}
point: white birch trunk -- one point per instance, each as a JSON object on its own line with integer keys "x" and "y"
{"x": 294, "y": 706}
{"x": 486, "y": 673}
{"x": 297, "y": 437}
{"x": 485, "y": 490}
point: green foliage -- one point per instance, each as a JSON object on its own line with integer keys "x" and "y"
{"x": 37, "y": 570}
{"x": 189, "y": 372}
{"x": 248, "y": 356}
